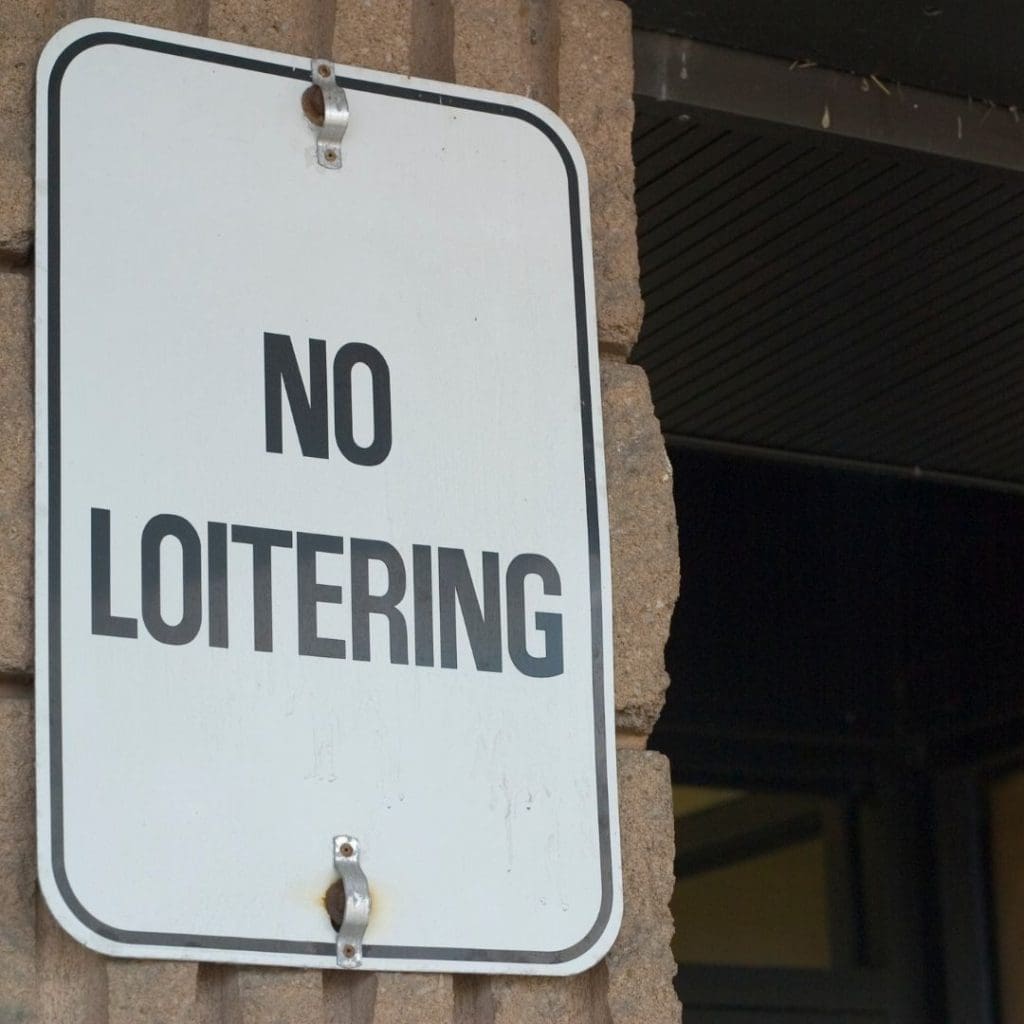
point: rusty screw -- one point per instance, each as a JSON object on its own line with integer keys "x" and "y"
{"x": 346, "y": 848}
{"x": 324, "y": 71}
{"x": 313, "y": 105}
{"x": 349, "y": 951}
{"x": 334, "y": 901}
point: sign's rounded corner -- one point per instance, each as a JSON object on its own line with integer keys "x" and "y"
{"x": 594, "y": 946}
{"x": 65, "y": 38}
{"x": 71, "y": 920}
{"x": 553, "y": 125}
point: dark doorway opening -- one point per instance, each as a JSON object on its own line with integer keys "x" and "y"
{"x": 845, "y": 686}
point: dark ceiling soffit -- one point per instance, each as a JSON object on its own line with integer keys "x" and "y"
{"x": 857, "y": 465}
{"x": 959, "y": 47}
{"x": 691, "y": 73}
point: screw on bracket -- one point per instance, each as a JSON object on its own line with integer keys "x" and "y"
{"x": 355, "y": 911}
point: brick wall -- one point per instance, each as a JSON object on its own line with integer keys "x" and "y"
{"x": 576, "y": 57}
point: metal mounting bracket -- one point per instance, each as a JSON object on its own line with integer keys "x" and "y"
{"x": 357, "y": 901}
{"x": 332, "y": 131}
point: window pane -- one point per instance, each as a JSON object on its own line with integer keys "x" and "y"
{"x": 751, "y": 880}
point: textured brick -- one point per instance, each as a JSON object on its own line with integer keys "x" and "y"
{"x": 414, "y": 999}
{"x": 217, "y": 1000}
{"x": 645, "y": 557}
{"x": 16, "y": 473}
{"x": 640, "y": 965}
{"x": 433, "y": 40}
{"x": 407, "y": 37}
{"x": 595, "y": 99}
{"x": 176, "y": 15}
{"x": 17, "y": 860}
{"x": 304, "y": 27}
{"x": 72, "y": 979}
{"x": 279, "y": 995}
{"x": 512, "y": 47}
{"x": 23, "y": 28}
{"x": 151, "y": 992}
{"x": 375, "y": 35}
{"x": 575, "y": 1000}
{"x": 349, "y": 998}
{"x": 474, "y": 1000}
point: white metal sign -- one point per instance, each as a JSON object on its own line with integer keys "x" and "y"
{"x": 322, "y": 541}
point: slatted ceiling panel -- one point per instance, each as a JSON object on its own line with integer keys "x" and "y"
{"x": 755, "y": 249}
{"x": 912, "y": 339}
{"x": 723, "y": 199}
{"x": 703, "y": 208}
{"x": 651, "y": 134}
{"x": 764, "y": 172}
{"x": 820, "y": 296}
{"x": 784, "y": 309}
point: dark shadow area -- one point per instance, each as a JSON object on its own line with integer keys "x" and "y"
{"x": 846, "y": 696}
{"x": 831, "y": 610}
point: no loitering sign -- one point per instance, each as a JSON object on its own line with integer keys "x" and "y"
{"x": 322, "y": 543}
